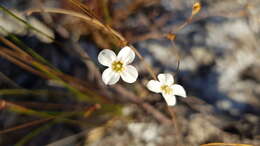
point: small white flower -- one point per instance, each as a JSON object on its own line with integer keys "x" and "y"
{"x": 166, "y": 86}
{"x": 118, "y": 66}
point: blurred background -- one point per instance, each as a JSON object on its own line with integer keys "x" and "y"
{"x": 51, "y": 91}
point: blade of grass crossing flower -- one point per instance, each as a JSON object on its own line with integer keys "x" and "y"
{"x": 108, "y": 108}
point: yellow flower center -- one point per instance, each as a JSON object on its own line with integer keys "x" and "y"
{"x": 117, "y": 66}
{"x": 166, "y": 89}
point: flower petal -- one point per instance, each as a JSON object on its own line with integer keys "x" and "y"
{"x": 126, "y": 55}
{"x": 130, "y": 74}
{"x": 170, "y": 99}
{"x": 178, "y": 90}
{"x": 166, "y": 78}
{"x": 110, "y": 77}
{"x": 154, "y": 86}
{"x": 106, "y": 57}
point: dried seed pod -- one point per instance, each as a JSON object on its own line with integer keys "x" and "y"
{"x": 195, "y": 8}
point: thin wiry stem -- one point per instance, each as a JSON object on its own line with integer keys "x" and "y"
{"x": 225, "y": 144}
{"x": 7, "y": 54}
{"x": 26, "y": 125}
{"x": 132, "y": 97}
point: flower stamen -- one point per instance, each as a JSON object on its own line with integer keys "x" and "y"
{"x": 117, "y": 66}
{"x": 166, "y": 89}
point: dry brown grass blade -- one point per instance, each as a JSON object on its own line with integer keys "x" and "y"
{"x": 9, "y": 55}
{"x": 88, "y": 19}
{"x": 195, "y": 10}
{"x": 225, "y": 144}
{"x": 11, "y": 45}
{"x": 23, "y": 110}
{"x": 122, "y": 41}
{"x": 27, "y": 62}
{"x": 132, "y": 97}
{"x": 50, "y": 106}
{"x": 176, "y": 125}
{"x": 26, "y": 125}
{"x": 87, "y": 112}
{"x": 84, "y": 8}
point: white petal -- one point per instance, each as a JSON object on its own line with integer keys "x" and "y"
{"x": 126, "y": 55}
{"x": 178, "y": 90}
{"x": 170, "y": 99}
{"x": 130, "y": 74}
{"x": 110, "y": 77}
{"x": 154, "y": 86}
{"x": 166, "y": 78}
{"x": 106, "y": 57}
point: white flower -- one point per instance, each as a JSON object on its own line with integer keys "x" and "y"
{"x": 166, "y": 86}
{"x": 118, "y": 66}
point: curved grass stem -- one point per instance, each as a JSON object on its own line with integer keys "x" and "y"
{"x": 98, "y": 24}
